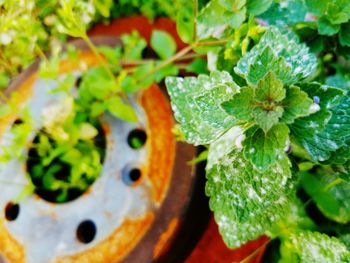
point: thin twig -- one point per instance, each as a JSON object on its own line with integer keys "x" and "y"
{"x": 251, "y": 255}
{"x": 211, "y": 43}
{"x": 181, "y": 53}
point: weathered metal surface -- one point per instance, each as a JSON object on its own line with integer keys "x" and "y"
{"x": 122, "y": 213}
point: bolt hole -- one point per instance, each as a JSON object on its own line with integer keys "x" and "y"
{"x": 18, "y": 121}
{"x": 86, "y": 231}
{"x": 135, "y": 175}
{"x": 78, "y": 81}
{"x": 137, "y": 138}
{"x": 132, "y": 176}
{"x": 11, "y": 211}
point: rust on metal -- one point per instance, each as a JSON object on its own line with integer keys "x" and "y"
{"x": 163, "y": 243}
{"x": 117, "y": 245}
{"x": 161, "y": 154}
{"x": 9, "y": 247}
{"x": 158, "y": 169}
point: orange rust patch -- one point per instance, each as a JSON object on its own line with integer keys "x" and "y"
{"x": 25, "y": 90}
{"x": 163, "y": 244}
{"x": 9, "y": 247}
{"x": 161, "y": 142}
{"x": 117, "y": 245}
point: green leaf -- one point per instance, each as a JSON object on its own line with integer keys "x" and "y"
{"x": 142, "y": 78}
{"x": 280, "y": 53}
{"x": 198, "y": 66}
{"x": 133, "y": 45}
{"x": 264, "y": 149}
{"x": 318, "y": 7}
{"x": 285, "y": 13}
{"x": 270, "y": 89}
{"x": 120, "y": 109}
{"x": 97, "y": 83}
{"x": 267, "y": 118}
{"x": 316, "y": 247}
{"x": 344, "y": 35}
{"x": 185, "y": 23}
{"x": 320, "y": 143}
{"x": 297, "y": 104}
{"x": 103, "y": 7}
{"x": 340, "y": 156}
{"x": 241, "y": 104}
{"x": 257, "y": 7}
{"x": 163, "y": 44}
{"x": 334, "y": 203}
{"x": 72, "y": 21}
{"x": 245, "y": 201}
{"x": 196, "y": 105}
{"x": 112, "y": 54}
{"x": 325, "y": 27}
{"x": 268, "y": 93}
{"x": 219, "y": 14}
{"x": 87, "y": 131}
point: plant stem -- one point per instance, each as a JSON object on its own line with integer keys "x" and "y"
{"x": 211, "y": 43}
{"x": 146, "y": 61}
{"x": 195, "y": 14}
{"x": 332, "y": 184}
{"x": 41, "y": 53}
{"x": 98, "y": 55}
{"x": 168, "y": 61}
{"x": 251, "y": 255}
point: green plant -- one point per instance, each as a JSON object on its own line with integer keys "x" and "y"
{"x": 278, "y": 138}
{"x": 273, "y": 111}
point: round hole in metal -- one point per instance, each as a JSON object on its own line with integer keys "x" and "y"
{"x": 18, "y": 121}
{"x": 135, "y": 175}
{"x": 12, "y": 211}
{"x": 53, "y": 181}
{"x": 86, "y": 231}
{"x": 131, "y": 176}
{"x": 137, "y": 138}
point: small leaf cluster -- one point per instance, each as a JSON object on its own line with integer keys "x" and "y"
{"x": 332, "y": 17}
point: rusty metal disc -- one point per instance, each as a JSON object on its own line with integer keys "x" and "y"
{"x": 153, "y": 218}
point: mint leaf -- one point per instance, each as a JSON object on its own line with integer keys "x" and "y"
{"x": 245, "y": 201}
{"x": 316, "y": 247}
{"x": 240, "y": 105}
{"x": 317, "y": 7}
{"x": 196, "y": 105}
{"x": 267, "y": 118}
{"x": 280, "y": 53}
{"x": 269, "y": 91}
{"x": 257, "y": 7}
{"x": 264, "y": 149}
{"x": 326, "y": 27}
{"x": 344, "y": 35}
{"x": 297, "y": 104}
{"x": 265, "y": 62}
{"x": 163, "y": 44}
{"x": 285, "y": 13}
{"x": 321, "y": 143}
